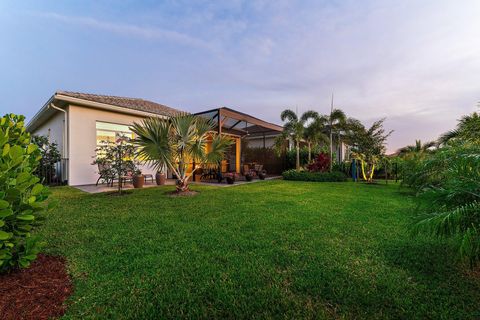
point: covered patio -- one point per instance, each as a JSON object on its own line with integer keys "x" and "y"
{"x": 238, "y": 126}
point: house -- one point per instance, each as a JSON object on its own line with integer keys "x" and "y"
{"x": 78, "y": 122}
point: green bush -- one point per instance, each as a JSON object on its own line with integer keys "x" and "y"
{"x": 334, "y": 176}
{"x": 448, "y": 181}
{"x": 22, "y": 197}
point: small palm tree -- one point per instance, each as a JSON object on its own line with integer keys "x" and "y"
{"x": 294, "y": 128}
{"x": 418, "y": 148}
{"x": 177, "y": 142}
{"x": 314, "y": 133}
{"x": 336, "y": 122}
{"x": 468, "y": 129}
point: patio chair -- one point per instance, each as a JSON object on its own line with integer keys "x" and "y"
{"x": 105, "y": 173}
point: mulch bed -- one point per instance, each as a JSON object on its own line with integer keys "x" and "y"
{"x": 38, "y": 292}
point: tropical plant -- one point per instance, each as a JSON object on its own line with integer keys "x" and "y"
{"x": 117, "y": 157}
{"x": 321, "y": 163}
{"x": 176, "y": 142}
{"x": 294, "y": 129}
{"x": 336, "y": 121}
{"x": 367, "y": 145}
{"x": 22, "y": 196}
{"x": 448, "y": 182}
{"x": 419, "y": 148}
{"x": 314, "y": 133}
{"x": 467, "y": 130}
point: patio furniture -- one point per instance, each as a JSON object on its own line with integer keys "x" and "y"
{"x": 105, "y": 173}
{"x": 148, "y": 175}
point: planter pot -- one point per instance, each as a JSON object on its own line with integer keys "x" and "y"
{"x": 197, "y": 177}
{"x": 230, "y": 180}
{"x": 138, "y": 181}
{"x": 160, "y": 178}
{"x": 248, "y": 177}
{"x": 262, "y": 176}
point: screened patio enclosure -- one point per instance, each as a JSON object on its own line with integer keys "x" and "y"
{"x": 238, "y": 126}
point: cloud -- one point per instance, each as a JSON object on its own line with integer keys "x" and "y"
{"x": 129, "y": 30}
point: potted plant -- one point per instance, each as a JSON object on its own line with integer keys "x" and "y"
{"x": 262, "y": 175}
{"x": 138, "y": 179}
{"x": 230, "y": 177}
{"x": 160, "y": 178}
{"x": 248, "y": 177}
{"x": 198, "y": 175}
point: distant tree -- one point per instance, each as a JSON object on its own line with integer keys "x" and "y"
{"x": 368, "y": 145}
{"x": 336, "y": 121}
{"x": 294, "y": 129}
{"x": 468, "y": 130}
{"x": 314, "y": 133}
{"x": 417, "y": 148}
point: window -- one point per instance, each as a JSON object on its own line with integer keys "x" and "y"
{"x": 111, "y": 132}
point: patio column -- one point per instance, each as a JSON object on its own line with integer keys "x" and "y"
{"x": 237, "y": 154}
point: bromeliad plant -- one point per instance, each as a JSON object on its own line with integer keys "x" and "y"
{"x": 22, "y": 197}
{"x": 179, "y": 141}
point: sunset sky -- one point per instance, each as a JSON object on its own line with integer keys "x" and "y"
{"x": 417, "y": 63}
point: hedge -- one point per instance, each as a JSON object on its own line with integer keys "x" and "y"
{"x": 334, "y": 176}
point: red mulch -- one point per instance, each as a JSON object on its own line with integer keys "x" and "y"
{"x": 38, "y": 292}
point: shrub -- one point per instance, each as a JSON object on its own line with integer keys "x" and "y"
{"x": 22, "y": 197}
{"x": 50, "y": 157}
{"x": 321, "y": 163}
{"x": 449, "y": 183}
{"x": 334, "y": 176}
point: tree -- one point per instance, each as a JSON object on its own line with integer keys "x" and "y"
{"x": 468, "y": 129}
{"x": 314, "y": 133}
{"x": 418, "y": 148}
{"x": 336, "y": 122}
{"x": 368, "y": 145}
{"x": 177, "y": 142}
{"x": 294, "y": 128}
{"x": 50, "y": 157}
{"x": 117, "y": 157}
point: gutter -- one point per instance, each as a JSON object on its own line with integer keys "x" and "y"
{"x": 65, "y": 140}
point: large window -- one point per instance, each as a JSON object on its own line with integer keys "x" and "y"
{"x": 111, "y": 132}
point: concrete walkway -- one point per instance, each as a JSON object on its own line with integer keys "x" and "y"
{"x": 91, "y": 188}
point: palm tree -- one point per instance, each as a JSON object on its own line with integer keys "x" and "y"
{"x": 314, "y": 133}
{"x": 468, "y": 129}
{"x": 418, "y": 148}
{"x": 336, "y": 122}
{"x": 177, "y": 142}
{"x": 294, "y": 128}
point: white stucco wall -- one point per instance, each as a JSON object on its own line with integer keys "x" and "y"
{"x": 82, "y": 141}
{"x": 53, "y": 129}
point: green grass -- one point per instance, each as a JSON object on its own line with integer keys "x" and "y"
{"x": 275, "y": 249}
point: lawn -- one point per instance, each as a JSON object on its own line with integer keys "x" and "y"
{"x": 275, "y": 249}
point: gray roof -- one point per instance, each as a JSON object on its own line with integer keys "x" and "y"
{"x": 129, "y": 103}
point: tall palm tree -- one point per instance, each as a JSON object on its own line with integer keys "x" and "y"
{"x": 336, "y": 122}
{"x": 315, "y": 133}
{"x": 418, "y": 148}
{"x": 468, "y": 129}
{"x": 177, "y": 142}
{"x": 294, "y": 128}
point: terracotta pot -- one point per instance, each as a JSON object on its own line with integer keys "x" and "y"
{"x": 198, "y": 177}
{"x": 160, "y": 178}
{"x": 138, "y": 181}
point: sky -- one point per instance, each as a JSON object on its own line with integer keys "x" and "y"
{"x": 417, "y": 63}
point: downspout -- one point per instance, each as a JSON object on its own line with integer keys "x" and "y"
{"x": 65, "y": 142}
